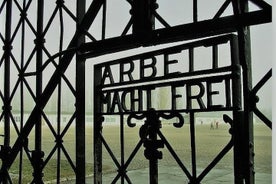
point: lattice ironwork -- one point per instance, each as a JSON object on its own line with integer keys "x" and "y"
{"x": 40, "y": 39}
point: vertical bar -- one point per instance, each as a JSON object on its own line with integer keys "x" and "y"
{"x": 193, "y": 145}
{"x": 104, "y": 20}
{"x": 241, "y": 6}
{"x": 80, "y": 102}
{"x": 122, "y": 137}
{"x": 37, "y": 154}
{"x": 97, "y": 127}
{"x": 7, "y": 105}
{"x": 7, "y": 47}
{"x": 59, "y": 139}
{"x": 215, "y": 56}
{"x": 191, "y": 59}
{"x": 195, "y": 18}
{"x": 22, "y": 93}
{"x": 151, "y": 151}
{"x": 237, "y": 113}
{"x": 245, "y": 57}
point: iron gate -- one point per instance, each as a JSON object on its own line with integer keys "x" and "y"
{"x": 129, "y": 95}
{"x": 31, "y": 61}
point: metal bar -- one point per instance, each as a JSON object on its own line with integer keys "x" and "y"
{"x": 246, "y": 142}
{"x": 245, "y": 59}
{"x": 108, "y": 149}
{"x": 259, "y": 85}
{"x": 129, "y": 24}
{"x": 37, "y": 153}
{"x": 254, "y": 91}
{"x": 122, "y": 140}
{"x": 49, "y": 89}
{"x": 7, "y": 105}
{"x": 215, "y": 56}
{"x": 189, "y": 31}
{"x": 223, "y": 152}
{"x": 67, "y": 156}
{"x": 261, "y": 3}
{"x": 178, "y": 160}
{"x": 161, "y": 20}
{"x": 237, "y": 114}
{"x": 7, "y": 47}
{"x": 59, "y": 140}
{"x": 263, "y": 117}
{"x": 193, "y": 146}
{"x": 132, "y": 155}
{"x": 80, "y": 102}
{"x": 104, "y": 20}
{"x": 222, "y": 8}
{"x": 153, "y": 160}
{"x": 98, "y": 119}
{"x": 175, "y": 49}
{"x": 195, "y": 17}
{"x": 191, "y": 60}
{"x": 22, "y": 95}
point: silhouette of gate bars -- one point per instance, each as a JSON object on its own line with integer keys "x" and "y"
{"x": 144, "y": 34}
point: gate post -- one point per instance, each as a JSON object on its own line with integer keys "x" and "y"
{"x": 247, "y": 139}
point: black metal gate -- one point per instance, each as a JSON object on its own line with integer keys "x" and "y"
{"x": 130, "y": 97}
{"x": 37, "y": 55}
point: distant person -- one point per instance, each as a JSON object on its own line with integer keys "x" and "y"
{"x": 217, "y": 124}
{"x": 212, "y": 126}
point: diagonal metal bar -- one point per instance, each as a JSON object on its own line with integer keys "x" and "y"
{"x": 224, "y": 151}
{"x": 53, "y": 82}
{"x": 179, "y": 162}
{"x": 2, "y": 5}
{"x": 49, "y": 124}
{"x": 1, "y": 96}
{"x": 68, "y": 125}
{"x": 263, "y": 117}
{"x": 26, "y": 19}
{"x": 110, "y": 152}
{"x": 161, "y": 20}
{"x": 2, "y": 38}
{"x": 69, "y": 159}
{"x": 261, "y": 4}
{"x": 132, "y": 155}
{"x": 49, "y": 23}
{"x": 66, "y": 80}
{"x": 129, "y": 24}
{"x": 69, "y": 12}
{"x": 50, "y": 156}
{"x": 260, "y": 84}
{"x": 120, "y": 168}
{"x": 254, "y": 92}
{"x": 222, "y": 9}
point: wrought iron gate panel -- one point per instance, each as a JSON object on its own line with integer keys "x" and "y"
{"x": 112, "y": 97}
{"x": 38, "y": 49}
{"x": 33, "y": 48}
